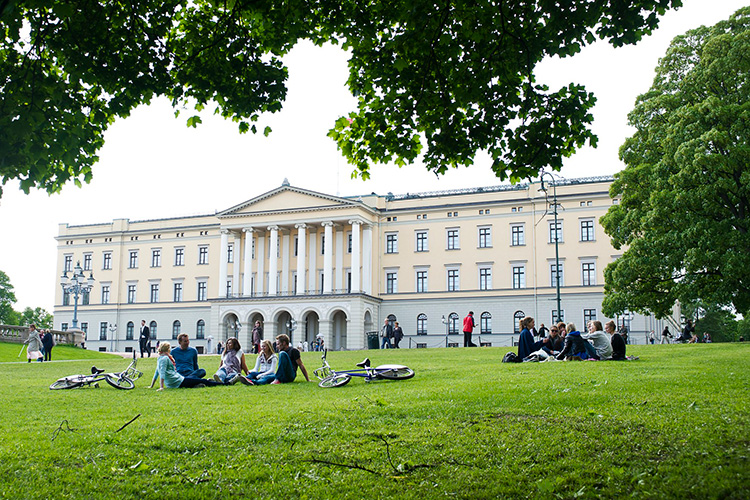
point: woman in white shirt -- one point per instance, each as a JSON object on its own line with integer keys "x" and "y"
{"x": 600, "y": 339}
{"x": 265, "y": 365}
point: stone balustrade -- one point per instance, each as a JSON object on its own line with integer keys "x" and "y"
{"x": 18, "y": 334}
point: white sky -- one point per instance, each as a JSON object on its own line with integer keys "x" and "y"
{"x": 153, "y": 166}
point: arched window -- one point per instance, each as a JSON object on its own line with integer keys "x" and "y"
{"x": 129, "y": 331}
{"x": 517, "y": 317}
{"x": 176, "y": 328}
{"x": 453, "y": 323}
{"x": 485, "y": 323}
{"x": 422, "y": 324}
{"x": 152, "y": 329}
{"x": 200, "y": 329}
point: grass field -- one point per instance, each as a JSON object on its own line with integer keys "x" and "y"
{"x": 672, "y": 425}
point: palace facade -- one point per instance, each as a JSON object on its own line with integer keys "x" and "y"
{"x": 307, "y": 263}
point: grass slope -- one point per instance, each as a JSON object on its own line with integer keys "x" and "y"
{"x": 672, "y": 425}
{"x": 9, "y": 353}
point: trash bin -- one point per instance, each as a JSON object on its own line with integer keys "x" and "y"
{"x": 372, "y": 340}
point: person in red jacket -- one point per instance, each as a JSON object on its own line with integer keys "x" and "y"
{"x": 469, "y": 325}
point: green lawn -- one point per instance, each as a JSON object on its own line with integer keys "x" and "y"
{"x": 9, "y": 353}
{"x": 672, "y": 425}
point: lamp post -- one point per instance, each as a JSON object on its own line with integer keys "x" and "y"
{"x": 77, "y": 284}
{"x": 557, "y": 234}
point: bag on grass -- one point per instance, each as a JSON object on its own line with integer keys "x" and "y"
{"x": 511, "y": 357}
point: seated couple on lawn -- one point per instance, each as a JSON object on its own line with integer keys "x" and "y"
{"x": 180, "y": 367}
{"x": 595, "y": 344}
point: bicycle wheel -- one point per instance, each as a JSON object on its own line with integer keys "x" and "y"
{"x": 119, "y": 382}
{"x": 66, "y": 383}
{"x": 335, "y": 381}
{"x": 394, "y": 372}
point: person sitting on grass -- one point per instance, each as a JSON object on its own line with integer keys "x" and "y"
{"x": 168, "y": 376}
{"x": 526, "y": 344}
{"x": 34, "y": 348}
{"x": 186, "y": 358}
{"x": 575, "y": 346}
{"x": 600, "y": 339}
{"x": 265, "y": 366}
{"x": 618, "y": 343}
{"x": 232, "y": 363}
{"x": 289, "y": 360}
{"x": 555, "y": 342}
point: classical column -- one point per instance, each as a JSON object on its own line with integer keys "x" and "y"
{"x": 236, "y": 264}
{"x": 367, "y": 259}
{"x": 222, "y": 292}
{"x": 355, "y": 255}
{"x": 311, "y": 267}
{"x": 328, "y": 257}
{"x": 260, "y": 249}
{"x": 285, "y": 251}
{"x": 339, "y": 267}
{"x": 301, "y": 247}
{"x": 273, "y": 260}
{"x": 248, "y": 267}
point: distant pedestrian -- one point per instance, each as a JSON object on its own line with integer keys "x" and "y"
{"x": 386, "y": 334}
{"x": 257, "y": 337}
{"x": 665, "y": 335}
{"x": 542, "y": 331}
{"x": 468, "y": 329}
{"x": 143, "y": 339}
{"x": 398, "y": 334}
{"x": 34, "y": 345}
{"x": 652, "y": 337}
{"x": 48, "y": 342}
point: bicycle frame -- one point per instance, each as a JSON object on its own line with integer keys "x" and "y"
{"x": 367, "y": 372}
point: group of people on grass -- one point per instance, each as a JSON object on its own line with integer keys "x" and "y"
{"x": 178, "y": 367}
{"x": 39, "y": 344}
{"x": 565, "y": 342}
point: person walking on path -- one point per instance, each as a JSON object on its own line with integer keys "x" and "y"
{"x": 34, "y": 345}
{"x": 143, "y": 338}
{"x": 48, "y": 342}
{"x": 469, "y": 325}
{"x": 386, "y": 333}
{"x": 398, "y": 334}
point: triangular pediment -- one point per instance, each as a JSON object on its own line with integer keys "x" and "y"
{"x": 286, "y": 199}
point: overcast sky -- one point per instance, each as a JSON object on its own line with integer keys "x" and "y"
{"x": 153, "y": 166}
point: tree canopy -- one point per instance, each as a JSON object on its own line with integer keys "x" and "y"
{"x": 7, "y": 299}
{"x": 437, "y": 80}
{"x": 685, "y": 191}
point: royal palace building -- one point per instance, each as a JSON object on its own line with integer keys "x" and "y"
{"x": 307, "y": 264}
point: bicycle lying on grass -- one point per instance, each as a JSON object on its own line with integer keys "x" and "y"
{"x": 122, "y": 380}
{"x": 331, "y": 378}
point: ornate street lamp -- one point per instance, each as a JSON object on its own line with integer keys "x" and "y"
{"x": 77, "y": 284}
{"x": 445, "y": 322}
{"x": 557, "y": 234}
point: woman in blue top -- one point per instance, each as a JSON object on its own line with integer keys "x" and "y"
{"x": 168, "y": 376}
{"x": 526, "y": 344}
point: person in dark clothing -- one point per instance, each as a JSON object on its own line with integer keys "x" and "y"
{"x": 143, "y": 339}
{"x": 526, "y": 344}
{"x": 575, "y": 345}
{"x": 555, "y": 341}
{"x": 48, "y": 343}
{"x": 386, "y": 333}
{"x": 398, "y": 334}
{"x": 543, "y": 331}
{"x": 687, "y": 332}
{"x": 618, "y": 343}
